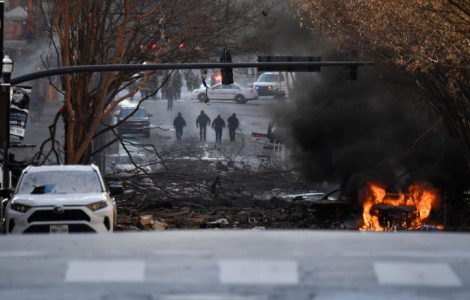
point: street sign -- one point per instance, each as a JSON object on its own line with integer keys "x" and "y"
{"x": 19, "y": 111}
{"x": 265, "y": 59}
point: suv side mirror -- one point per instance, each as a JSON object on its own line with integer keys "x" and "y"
{"x": 116, "y": 189}
{"x": 150, "y": 115}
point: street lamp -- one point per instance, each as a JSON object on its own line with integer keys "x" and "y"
{"x": 7, "y": 69}
{"x": 5, "y": 102}
{"x": 5, "y": 98}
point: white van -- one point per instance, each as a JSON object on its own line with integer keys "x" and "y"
{"x": 271, "y": 84}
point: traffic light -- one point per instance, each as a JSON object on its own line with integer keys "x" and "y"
{"x": 351, "y": 73}
{"x": 227, "y": 73}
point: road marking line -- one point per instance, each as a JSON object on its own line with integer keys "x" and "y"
{"x": 185, "y": 253}
{"x": 15, "y": 253}
{"x": 258, "y": 272}
{"x": 106, "y": 271}
{"x": 416, "y": 274}
{"x": 409, "y": 254}
{"x": 212, "y": 297}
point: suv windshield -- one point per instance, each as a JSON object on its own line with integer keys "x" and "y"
{"x": 140, "y": 113}
{"x": 268, "y": 78}
{"x": 55, "y": 182}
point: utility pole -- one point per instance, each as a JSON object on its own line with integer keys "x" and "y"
{"x": 5, "y": 109}
{"x": 5, "y": 124}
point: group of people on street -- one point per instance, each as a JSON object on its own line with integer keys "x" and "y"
{"x": 203, "y": 120}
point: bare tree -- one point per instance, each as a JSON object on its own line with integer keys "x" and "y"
{"x": 88, "y": 32}
{"x": 427, "y": 40}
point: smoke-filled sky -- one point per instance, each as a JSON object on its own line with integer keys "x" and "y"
{"x": 375, "y": 128}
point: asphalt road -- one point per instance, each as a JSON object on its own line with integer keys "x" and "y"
{"x": 253, "y": 116}
{"x": 241, "y": 265}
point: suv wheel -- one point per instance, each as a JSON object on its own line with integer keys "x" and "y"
{"x": 202, "y": 97}
{"x": 240, "y": 99}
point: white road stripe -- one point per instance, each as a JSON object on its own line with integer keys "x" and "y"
{"x": 409, "y": 254}
{"x": 416, "y": 274}
{"x": 258, "y": 272}
{"x": 212, "y": 297}
{"x": 14, "y": 253}
{"x": 186, "y": 253}
{"x": 106, "y": 271}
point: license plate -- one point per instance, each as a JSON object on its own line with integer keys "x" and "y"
{"x": 59, "y": 229}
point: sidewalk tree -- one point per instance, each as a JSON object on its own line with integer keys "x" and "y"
{"x": 89, "y": 32}
{"x": 428, "y": 40}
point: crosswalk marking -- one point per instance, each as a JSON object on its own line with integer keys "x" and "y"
{"x": 105, "y": 271}
{"x": 258, "y": 272}
{"x": 416, "y": 274}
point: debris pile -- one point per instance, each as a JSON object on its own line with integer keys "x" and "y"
{"x": 237, "y": 213}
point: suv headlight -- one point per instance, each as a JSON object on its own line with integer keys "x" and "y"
{"x": 20, "y": 207}
{"x": 97, "y": 205}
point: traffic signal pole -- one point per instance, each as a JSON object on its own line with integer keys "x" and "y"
{"x": 183, "y": 66}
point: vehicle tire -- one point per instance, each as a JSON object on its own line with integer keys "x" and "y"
{"x": 240, "y": 99}
{"x": 115, "y": 221}
{"x": 202, "y": 97}
{"x": 147, "y": 134}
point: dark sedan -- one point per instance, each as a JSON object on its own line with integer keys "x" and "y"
{"x": 137, "y": 123}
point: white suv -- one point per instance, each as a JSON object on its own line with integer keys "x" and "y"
{"x": 271, "y": 84}
{"x": 61, "y": 200}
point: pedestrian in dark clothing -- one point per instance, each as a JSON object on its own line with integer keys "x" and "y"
{"x": 218, "y": 125}
{"x": 201, "y": 122}
{"x": 179, "y": 123}
{"x": 232, "y": 126}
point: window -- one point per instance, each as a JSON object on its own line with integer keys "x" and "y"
{"x": 268, "y": 78}
{"x": 60, "y": 182}
{"x": 140, "y": 113}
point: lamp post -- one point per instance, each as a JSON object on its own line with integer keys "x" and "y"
{"x": 7, "y": 69}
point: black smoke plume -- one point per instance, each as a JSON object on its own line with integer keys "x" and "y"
{"x": 374, "y": 129}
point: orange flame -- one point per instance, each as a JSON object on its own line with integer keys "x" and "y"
{"x": 419, "y": 201}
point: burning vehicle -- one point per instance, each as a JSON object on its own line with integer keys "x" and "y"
{"x": 400, "y": 211}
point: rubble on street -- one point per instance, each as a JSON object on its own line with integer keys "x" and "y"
{"x": 232, "y": 210}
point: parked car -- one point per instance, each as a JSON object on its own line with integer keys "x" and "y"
{"x": 136, "y": 124}
{"x": 131, "y": 146}
{"x": 135, "y": 164}
{"x": 236, "y": 91}
{"x": 271, "y": 84}
{"x": 61, "y": 200}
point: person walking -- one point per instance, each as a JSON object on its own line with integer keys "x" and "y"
{"x": 218, "y": 125}
{"x": 232, "y": 126}
{"x": 201, "y": 122}
{"x": 179, "y": 123}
